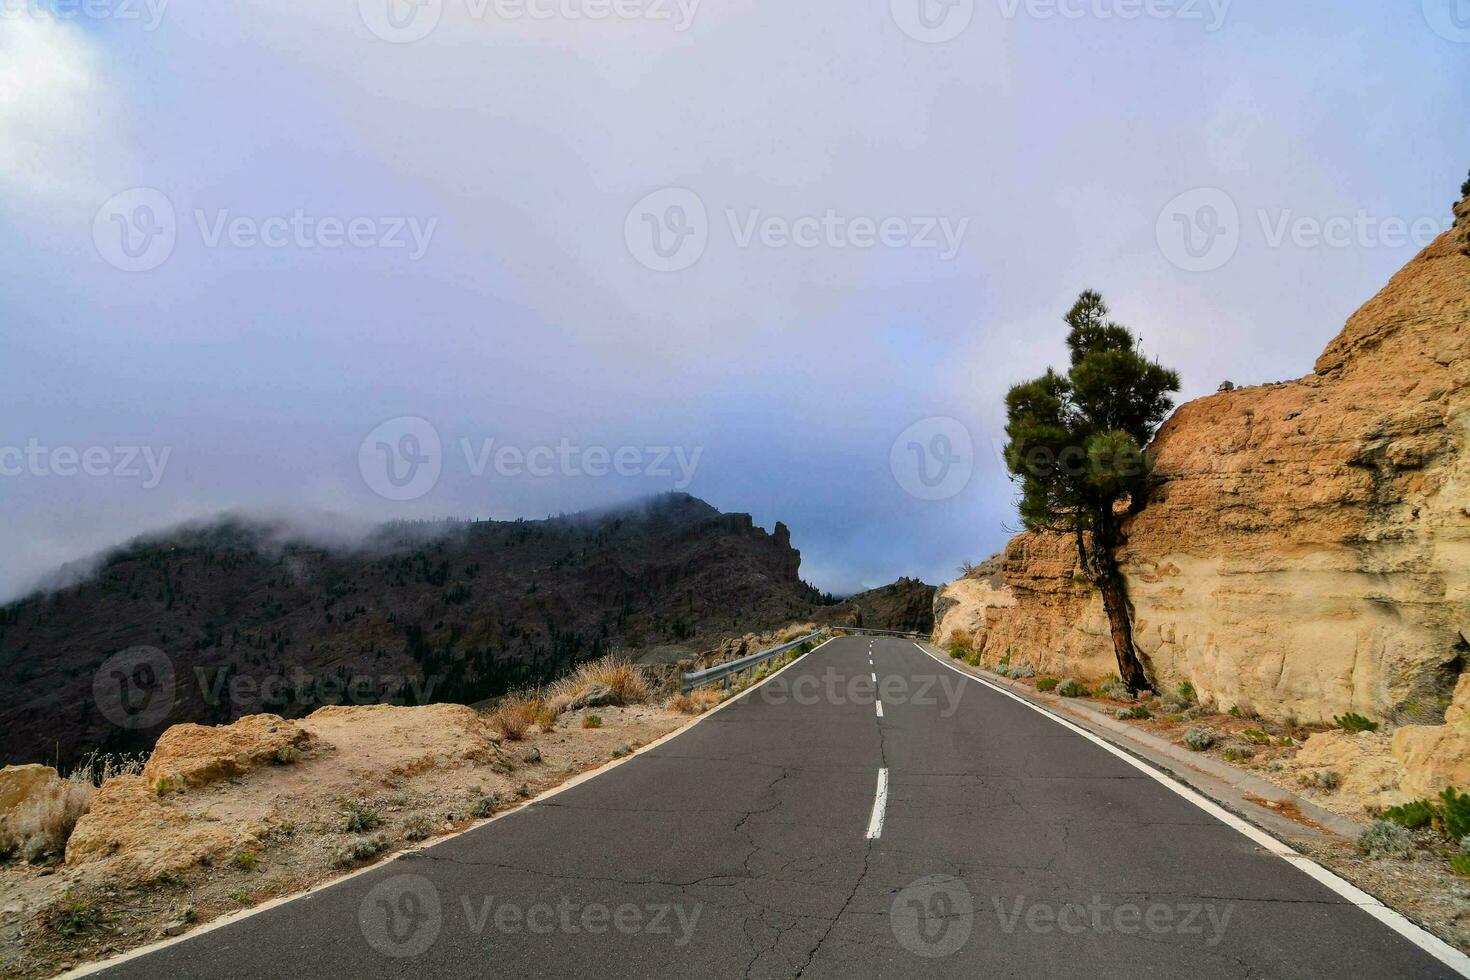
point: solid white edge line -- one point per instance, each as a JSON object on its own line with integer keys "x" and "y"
{"x": 227, "y": 920}
{"x": 880, "y": 804}
{"x": 1419, "y": 936}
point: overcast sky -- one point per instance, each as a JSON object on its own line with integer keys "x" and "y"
{"x": 784, "y": 255}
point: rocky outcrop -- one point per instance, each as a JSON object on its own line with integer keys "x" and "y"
{"x": 1306, "y": 549}
{"x": 907, "y": 604}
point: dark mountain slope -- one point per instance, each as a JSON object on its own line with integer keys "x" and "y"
{"x": 242, "y": 616}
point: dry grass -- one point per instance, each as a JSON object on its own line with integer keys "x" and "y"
{"x": 515, "y": 715}
{"x": 546, "y": 719}
{"x": 43, "y": 824}
{"x": 624, "y": 677}
{"x": 696, "y": 702}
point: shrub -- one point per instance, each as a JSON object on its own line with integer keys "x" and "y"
{"x": 1256, "y": 736}
{"x": 1465, "y": 189}
{"x": 1140, "y": 712}
{"x": 1047, "y": 684}
{"x": 1199, "y": 739}
{"x": 1354, "y": 722}
{"x": 1070, "y": 688}
{"x": 1237, "y": 755}
{"x": 360, "y": 818}
{"x": 360, "y": 849}
{"x": 485, "y": 805}
{"x": 73, "y": 916}
{"x": 621, "y": 751}
{"x": 417, "y": 827}
{"x": 1003, "y": 669}
{"x": 1385, "y": 839}
{"x": 514, "y": 716}
{"x": 246, "y": 861}
{"x": 287, "y": 755}
{"x": 592, "y": 721}
{"x": 1460, "y": 863}
{"x": 1235, "y": 711}
{"x": 546, "y": 719}
{"x": 1411, "y": 816}
{"x": 625, "y": 678}
{"x": 1123, "y": 714}
{"x": 1329, "y": 780}
{"x": 1454, "y": 813}
{"x": 1186, "y": 693}
{"x": 1115, "y": 690}
{"x": 43, "y": 823}
{"x": 1023, "y": 671}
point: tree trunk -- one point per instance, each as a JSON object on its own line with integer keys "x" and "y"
{"x": 1120, "y": 623}
{"x": 1100, "y": 566}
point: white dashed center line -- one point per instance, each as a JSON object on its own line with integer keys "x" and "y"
{"x": 880, "y": 803}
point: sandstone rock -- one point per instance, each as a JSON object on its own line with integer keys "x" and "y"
{"x": 195, "y": 755}
{"x": 1306, "y": 551}
{"x": 1364, "y": 760}
{"x": 18, "y": 784}
{"x": 147, "y": 836}
{"x": 1437, "y": 757}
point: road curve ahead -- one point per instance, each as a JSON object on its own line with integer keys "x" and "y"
{"x": 868, "y": 812}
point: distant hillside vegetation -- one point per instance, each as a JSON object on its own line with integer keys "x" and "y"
{"x": 907, "y": 604}
{"x": 252, "y": 618}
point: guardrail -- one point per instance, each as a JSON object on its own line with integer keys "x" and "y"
{"x": 720, "y": 672}
{"x": 859, "y": 629}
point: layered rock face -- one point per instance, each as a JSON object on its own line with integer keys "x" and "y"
{"x": 1306, "y": 551}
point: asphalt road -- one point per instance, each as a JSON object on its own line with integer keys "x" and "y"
{"x": 751, "y": 845}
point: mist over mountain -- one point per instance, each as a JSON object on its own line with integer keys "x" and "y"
{"x": 214, "y": 620}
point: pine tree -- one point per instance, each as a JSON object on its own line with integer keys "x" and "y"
{"x": 1077, "y": 448}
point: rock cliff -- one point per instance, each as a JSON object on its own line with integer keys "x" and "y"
{"x": 1306, "y": 548}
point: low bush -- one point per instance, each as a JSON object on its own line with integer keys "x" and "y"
{"x": 360, "y": 818}
{"x": 1186, "y": 693}
{"x": 1385, "y": 839}
{"x": 623, "y": 677}
{"x": 417, "y": 827}
{"x": 1411, "y": 816}
{"x": 41, "y": 826}
{"x": 1199, "y": 739}
{"x": 246, "y": 861}
{"x": 592, "y": 721}
{"x": 514, "y": 716}
{"x": 485, "y": 806}
{"x": 1070, "y": 688}
{"x": 1454, "y": 814}
{"x": 361, "y": 849}
{"x": 1354, "y": 722}
{"x": 1047, "y": 684}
